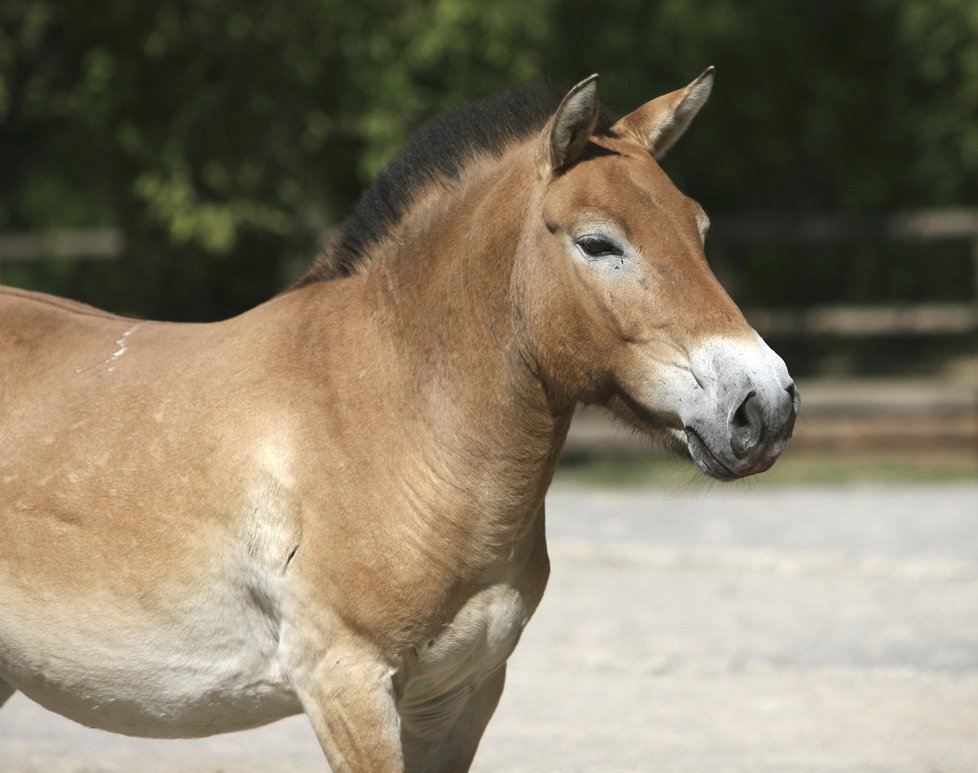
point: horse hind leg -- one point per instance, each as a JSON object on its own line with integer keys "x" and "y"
{"x": 5, "y": 692}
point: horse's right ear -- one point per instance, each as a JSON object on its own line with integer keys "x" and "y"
{"x": 570, "y": 127}
{"x": 659, "y": 123}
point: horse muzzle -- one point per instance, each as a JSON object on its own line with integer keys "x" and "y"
{"x": 747, "y": 416}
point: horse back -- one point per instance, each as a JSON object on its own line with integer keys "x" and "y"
{"x": 36, "y": 330}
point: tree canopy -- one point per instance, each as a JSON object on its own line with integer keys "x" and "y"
{"x": 222, "y": 138}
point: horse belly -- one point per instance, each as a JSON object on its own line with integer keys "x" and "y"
{"x": 202, "y": 664}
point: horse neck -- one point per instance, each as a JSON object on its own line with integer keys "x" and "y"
{"x": 454, "y": 336}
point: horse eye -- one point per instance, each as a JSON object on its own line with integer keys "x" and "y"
{"x": 598, "y": 247}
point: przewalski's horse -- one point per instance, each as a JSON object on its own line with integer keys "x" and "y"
{"x": 334, "y": 503}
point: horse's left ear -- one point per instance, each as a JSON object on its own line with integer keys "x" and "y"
{"x": 659, "y": 123}
{"x": 569, "y": 129}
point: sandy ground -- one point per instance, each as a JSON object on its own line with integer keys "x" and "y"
{"x": 829, "y": 629}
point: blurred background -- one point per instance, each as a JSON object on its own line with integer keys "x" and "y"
{"x": 184, "y": 161}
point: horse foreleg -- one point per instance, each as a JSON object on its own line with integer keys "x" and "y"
{"x": 455, "y": 750}
{"x": 349, "y": 699}
{"x": 5, "y": 692}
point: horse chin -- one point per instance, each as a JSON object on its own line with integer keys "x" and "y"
{"x": 704, "y": 457}
{"x": 711, "y": 463}
{"x": 688, "y": 444}
{"x": 675, "y": 434}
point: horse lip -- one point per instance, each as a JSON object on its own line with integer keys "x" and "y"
{"x": 725, "y": 471}
{"x": 709, "y": 461}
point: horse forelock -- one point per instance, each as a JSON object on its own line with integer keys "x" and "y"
{"x": 440, "y": 152}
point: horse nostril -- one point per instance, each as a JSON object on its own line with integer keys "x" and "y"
{"x": 794, "y": 396}
{"x": 740, "y": 417}
{"x": 789, "y": 412}
{"x": 747, "y": 426}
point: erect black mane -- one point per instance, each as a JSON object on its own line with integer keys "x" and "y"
{"x": 439, "y": 151}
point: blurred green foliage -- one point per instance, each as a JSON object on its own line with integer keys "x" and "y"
{"x": 223, "y": 137}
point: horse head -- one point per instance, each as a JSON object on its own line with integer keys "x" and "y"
{"x": 621, "y": 307}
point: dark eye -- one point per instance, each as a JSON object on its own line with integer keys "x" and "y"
{"x": 595, "y": 246}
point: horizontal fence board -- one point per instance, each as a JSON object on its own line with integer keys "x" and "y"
{"x": 80, "y": 243}
{"x": 840, "y": 320}
{"x": 909, "y": 319}
{"x": 923, "y": 224}
{"x": 904, "y": 416}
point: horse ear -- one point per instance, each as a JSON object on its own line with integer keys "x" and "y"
{"x": 570, "y": 127}
{"x": 659, "y": 123}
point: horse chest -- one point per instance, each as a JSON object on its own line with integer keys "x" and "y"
{"x": 451, "y": 666}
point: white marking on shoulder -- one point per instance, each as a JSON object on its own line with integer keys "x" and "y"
{"x": 121, "y": 343}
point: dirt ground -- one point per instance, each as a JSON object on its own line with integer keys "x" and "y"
{"x": 799, "y": 629}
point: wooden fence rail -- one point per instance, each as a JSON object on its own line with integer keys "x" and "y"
{"x": 924, "y": 225}
{"x": 913, "y": 225}
{"x": 865, "y": 320}
{"x": 77, "y": 243}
